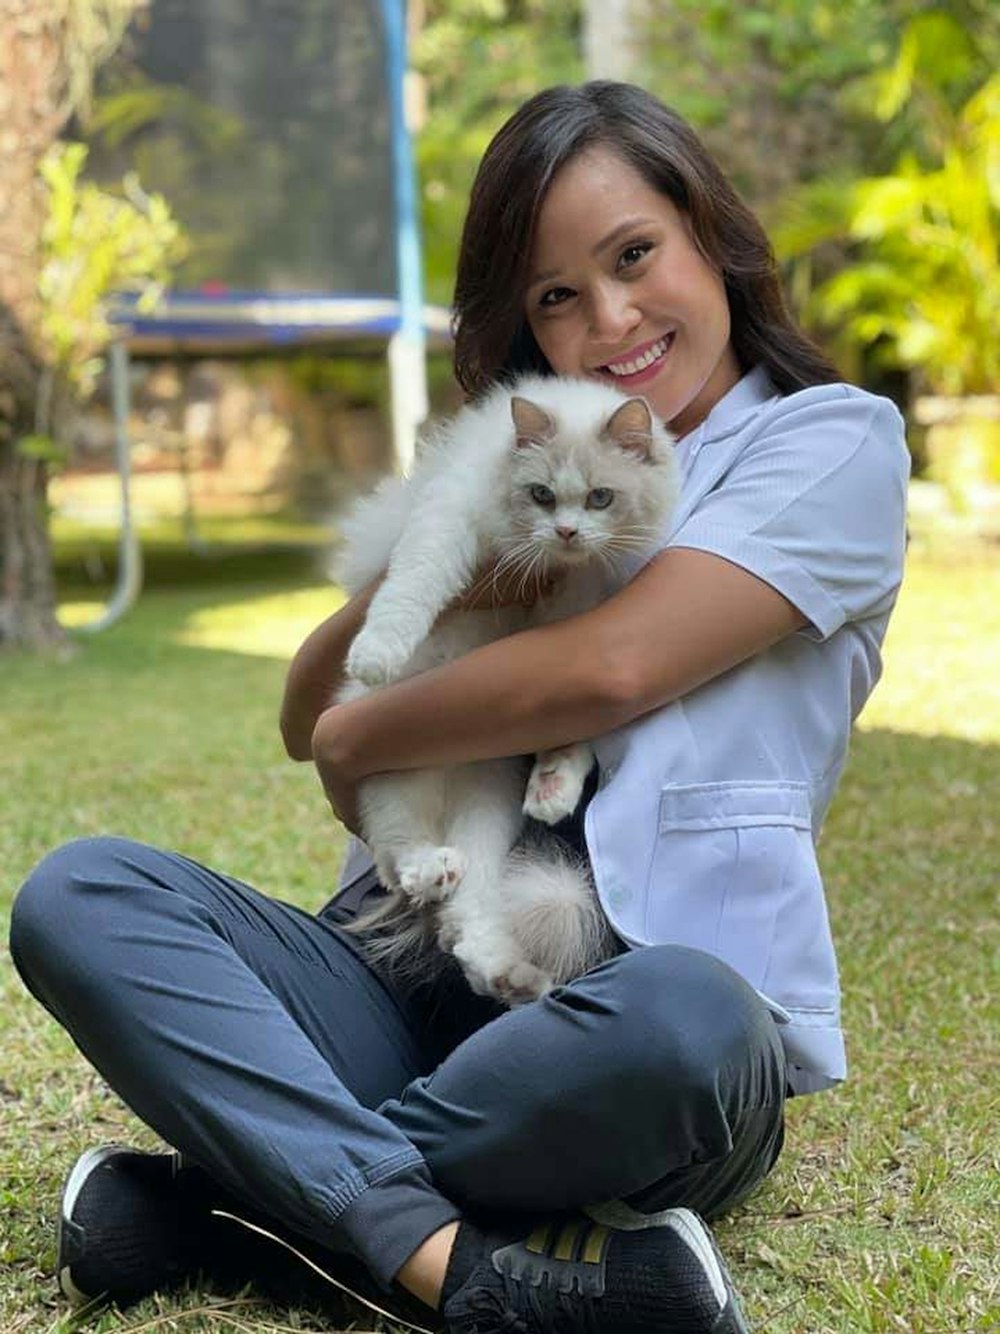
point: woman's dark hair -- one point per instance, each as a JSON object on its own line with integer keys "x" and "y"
{"x": 492, "y": 337}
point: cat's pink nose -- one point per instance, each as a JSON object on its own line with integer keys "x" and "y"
{"x": 566, "y": 533}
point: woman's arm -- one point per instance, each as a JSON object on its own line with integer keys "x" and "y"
{"x": 316, "y": 671}
{"x": 686, "y": 618}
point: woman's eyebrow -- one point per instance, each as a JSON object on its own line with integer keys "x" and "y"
{"x": 616, "y": 233}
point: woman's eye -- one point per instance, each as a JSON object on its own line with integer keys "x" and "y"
{"x": 543, "y": 495}
{"x": 633, "y": 253}
{"x": 600, "y": 498}
{"x": 555, "y": 296}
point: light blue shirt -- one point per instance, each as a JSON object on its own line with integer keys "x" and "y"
{"x": 703, "y": 829}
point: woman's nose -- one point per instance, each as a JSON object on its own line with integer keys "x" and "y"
{"x": 613, "y": 313}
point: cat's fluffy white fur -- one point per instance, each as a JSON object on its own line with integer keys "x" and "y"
{"x": 546, "y": 476}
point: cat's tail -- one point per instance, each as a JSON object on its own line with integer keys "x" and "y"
{"x": 554, "y": 911}
{"x": 399, "y": 939}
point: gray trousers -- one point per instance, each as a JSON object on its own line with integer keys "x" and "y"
{"x": 363, "y": 1115}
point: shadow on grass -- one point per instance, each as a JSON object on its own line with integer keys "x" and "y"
{"x": 169, "y": 565}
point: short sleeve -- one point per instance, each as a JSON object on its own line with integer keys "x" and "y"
{"x": 815, "y": 505}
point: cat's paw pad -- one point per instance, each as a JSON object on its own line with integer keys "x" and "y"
{"x": 519, "y": 984}
{"x": 511, "y": 980}
{"x": 376, "y": 659}
{"x": 551, "y": 794}
{"x": 428, "y": 875}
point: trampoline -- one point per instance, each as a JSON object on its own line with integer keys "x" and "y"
{"x": 277, "y": 131}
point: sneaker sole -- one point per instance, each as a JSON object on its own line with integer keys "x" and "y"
{"x": 82, "y": 1168}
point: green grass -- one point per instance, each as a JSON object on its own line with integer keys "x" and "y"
{"x": 882, "y": 1214}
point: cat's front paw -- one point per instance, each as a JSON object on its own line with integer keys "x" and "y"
{"x": 377, "y": 658}
{"x": 429, "y": 875}
{"x": 552, "y": 793}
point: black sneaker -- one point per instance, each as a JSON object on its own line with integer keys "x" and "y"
{"x": 577, "y": 1275}
{"x": 133, "y": 1223}
{"x": 571, "y": 1276}
{"x": 124, "y": 1228}
{"x": 137, "y": 1223}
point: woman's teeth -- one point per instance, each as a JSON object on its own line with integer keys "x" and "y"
{"x": 640, "y": 363}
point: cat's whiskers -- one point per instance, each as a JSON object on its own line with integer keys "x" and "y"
{"x": 535, "y": 568}
{"x": 516, "y": 559}
{"x": 638, "y": 538}
{"x": 519, "y": 564}
{"x": 491, "y": 578}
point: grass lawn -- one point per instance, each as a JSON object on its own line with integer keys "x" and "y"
{"x": 883, "y": 1212}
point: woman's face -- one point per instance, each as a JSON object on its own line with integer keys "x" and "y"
{"x": 618, "y": 291}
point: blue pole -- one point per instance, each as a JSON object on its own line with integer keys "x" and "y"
{"x": 407, "y": 354}
{"x": 409, "y": 278}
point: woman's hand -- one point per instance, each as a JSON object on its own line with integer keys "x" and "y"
{"x": 331, "y": 756}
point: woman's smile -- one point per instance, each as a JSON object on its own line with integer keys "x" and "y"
{"x": 640, "y": 364}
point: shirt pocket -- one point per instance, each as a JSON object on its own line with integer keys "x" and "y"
{"x": 726, "y": 856}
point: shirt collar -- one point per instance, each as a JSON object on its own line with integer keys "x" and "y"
{"x": 746, "y": 398}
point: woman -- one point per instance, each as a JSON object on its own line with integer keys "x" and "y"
{"x": 426, "y": 1133}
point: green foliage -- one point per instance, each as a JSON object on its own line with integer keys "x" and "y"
{"x": 916, "y": 247}
{"x": 931, "y": 42}
{"x": 772, "y": 87}
{"x": 480, "y": 59}
{"x": 360, "y": 380}
{"x": 95, "y": 244}
{"x": 816, "y": 44}
{"x": 922, "y": 288}
{"x": 42, "y": 448}
{"x": 799, "y": 101}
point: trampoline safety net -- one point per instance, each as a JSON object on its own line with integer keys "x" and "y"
{"x": 265, "y": 123}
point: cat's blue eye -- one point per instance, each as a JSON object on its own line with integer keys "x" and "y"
{"x": 600, "y": 498}
{"x": 543, "y": 495}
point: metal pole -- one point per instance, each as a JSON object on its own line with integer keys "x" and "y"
{"x": 607, "y": 49}
{"x": 407, "y": 347}
{"x": 129, "y": 578}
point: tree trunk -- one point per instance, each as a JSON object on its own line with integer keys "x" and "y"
{"x": 32, "y": 111}
{"x": 28, "y": 600}
{"x": 27, "y": 584}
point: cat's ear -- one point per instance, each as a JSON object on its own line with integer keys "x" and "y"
{"x": 533, "y": 424}
{"x": 631, "y": 428}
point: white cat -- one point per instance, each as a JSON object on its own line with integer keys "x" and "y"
{"x": 546, "y": 477}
